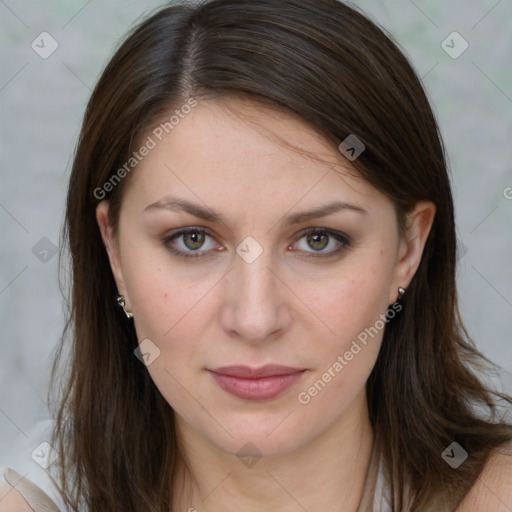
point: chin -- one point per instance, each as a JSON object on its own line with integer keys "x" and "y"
{"x": 267, "y": 436}
{"x": 259, "y": 445}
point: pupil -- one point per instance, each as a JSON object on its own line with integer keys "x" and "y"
{"x": 196, "y": 240}
{"x": 316, "y": 240}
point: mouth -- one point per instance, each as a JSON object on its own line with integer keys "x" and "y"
{"x": 263, "y": 383}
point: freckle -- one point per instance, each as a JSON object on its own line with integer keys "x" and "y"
{"x": 166, "y": 295}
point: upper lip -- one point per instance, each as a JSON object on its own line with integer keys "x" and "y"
{"x": 253, "y": 373}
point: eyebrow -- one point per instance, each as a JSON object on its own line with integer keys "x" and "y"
{"x": 179, "y": 204}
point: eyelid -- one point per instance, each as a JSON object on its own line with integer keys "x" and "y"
{"x": 343, "y": 239}
{"x": 183, "y": 231}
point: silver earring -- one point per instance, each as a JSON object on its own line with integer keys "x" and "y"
{"x": 401, "y": 292}
{"x": 120, "y": 301}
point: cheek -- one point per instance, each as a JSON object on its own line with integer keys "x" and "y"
{"x": 349, "y": 302}
{"x": 345, "y": 358}
{"x": 173, "y": 313}
{"x": 174, "y": 308}
{"x": 352, "y": 306}
{"x": 164, "y": 298}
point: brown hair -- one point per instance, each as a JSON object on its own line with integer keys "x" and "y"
{"x": 330, "y": 65}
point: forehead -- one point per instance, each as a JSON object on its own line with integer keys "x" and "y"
{"x": 238, "y": 152}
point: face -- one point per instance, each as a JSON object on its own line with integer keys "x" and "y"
{"x": 236, "y": 250}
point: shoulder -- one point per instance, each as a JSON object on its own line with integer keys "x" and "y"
{"x": 493, "y": 489}
{"x": 11, "y": 499}
{"x": 17, "y": 494}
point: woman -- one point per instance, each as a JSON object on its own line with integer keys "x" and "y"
{"x": 264, "y": 310}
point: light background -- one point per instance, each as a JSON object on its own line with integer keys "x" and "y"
{"x": 42, "y": 102}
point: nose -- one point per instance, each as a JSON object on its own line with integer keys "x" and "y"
{"x": 255, "y": 305}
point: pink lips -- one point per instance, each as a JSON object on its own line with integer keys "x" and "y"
{"x": 261, "y": 383}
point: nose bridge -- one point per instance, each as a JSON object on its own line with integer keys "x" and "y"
{"x": 252, "y": 265}
{"x": 255, "y": 308}
{"x": 256, "y": 279}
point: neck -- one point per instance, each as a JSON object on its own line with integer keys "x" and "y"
{"x": 327, "y": 473}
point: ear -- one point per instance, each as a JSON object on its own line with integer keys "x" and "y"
{"x": 418, "y": 225}
{"x": 111, "y": 244}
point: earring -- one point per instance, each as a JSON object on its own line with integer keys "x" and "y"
{"x": 401, "y": 292}
{"x": 120, "y": 301}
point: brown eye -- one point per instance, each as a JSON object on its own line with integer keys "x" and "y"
{"x": 317, "y": 241}
{"x": 191, "y": 243}
{"x": 194, "y": 240}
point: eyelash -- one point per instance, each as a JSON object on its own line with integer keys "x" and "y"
{"x": 342, "y": 239}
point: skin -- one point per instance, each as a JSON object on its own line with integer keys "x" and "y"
{"x": 19, "y": 494}
{"x": 11, "y": 500}
{"x": 282, "y": 308}
{"x": 493, "y": 489}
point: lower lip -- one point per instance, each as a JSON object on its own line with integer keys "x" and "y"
{"x": 263, "y": 388}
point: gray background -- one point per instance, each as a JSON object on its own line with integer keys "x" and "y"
{"x": 42, "y": 102}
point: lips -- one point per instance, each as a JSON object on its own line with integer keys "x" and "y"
{"x": 263, "y": 383}
{"x": 246, "y": 372}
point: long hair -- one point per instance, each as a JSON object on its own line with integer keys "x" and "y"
{"x": 327, "y": 63}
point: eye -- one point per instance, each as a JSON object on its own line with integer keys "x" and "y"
{"x": 320, "y": 239}
{"x": 188, "y": 242}
{"x": 193, "y": 242}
